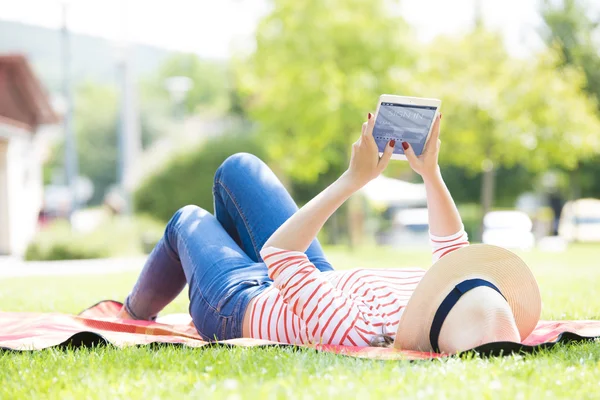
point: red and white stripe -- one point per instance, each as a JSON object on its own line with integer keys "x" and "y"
{"x": 305, "y": 305}
{"x": 443, "y": 245}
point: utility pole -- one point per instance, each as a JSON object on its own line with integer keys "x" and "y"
{"x": 71, "y": 162}
{"x": 478, "y": 14}
{"x": 129, "y": 126}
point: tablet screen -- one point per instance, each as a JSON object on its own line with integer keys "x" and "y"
{"x": 403, "y": 122}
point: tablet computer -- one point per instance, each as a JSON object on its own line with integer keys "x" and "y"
{"x": 405, "y": 119}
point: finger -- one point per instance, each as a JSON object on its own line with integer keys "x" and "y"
{"x": 435, "y": 134}
{"x": 387, "y": 155}
{"x": 364, "y": 128}
{"x": 436, "y": 128}
{"x": 370, "y": 124}
{"x": 409, "y": 153}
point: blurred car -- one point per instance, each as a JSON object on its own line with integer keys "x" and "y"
{"x": 580, "y": 221}
{"x": 410, "y": 227}
{"x": 510, "y": 229}
{"x": 394, "y": 194}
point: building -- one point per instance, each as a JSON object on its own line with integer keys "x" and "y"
{"x": 24, "y": 110}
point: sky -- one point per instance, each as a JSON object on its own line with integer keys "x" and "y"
{"x": 214, "y": 28}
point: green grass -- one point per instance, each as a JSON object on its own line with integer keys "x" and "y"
{"x": 569, "y": 288}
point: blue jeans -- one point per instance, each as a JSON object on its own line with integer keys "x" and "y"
{"x": 218, "y": 256}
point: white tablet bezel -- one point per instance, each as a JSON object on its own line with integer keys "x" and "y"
{"x": 414, "y": 101}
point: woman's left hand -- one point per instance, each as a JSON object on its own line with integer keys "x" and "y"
{"x": 365, "y": 163}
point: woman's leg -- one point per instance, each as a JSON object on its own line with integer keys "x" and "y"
{"x": 222, "y": 278}
{"x": 251, "y": 203}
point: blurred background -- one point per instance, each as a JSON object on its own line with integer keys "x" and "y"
{"x": 113, "y": 114}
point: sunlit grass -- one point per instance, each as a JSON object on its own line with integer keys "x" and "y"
{"x": 569, "y": 288}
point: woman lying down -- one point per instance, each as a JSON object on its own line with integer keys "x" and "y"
{"x": 255, "y": 269}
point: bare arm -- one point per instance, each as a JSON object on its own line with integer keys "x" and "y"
{"x": 301, "y": 228}
{"x": 444, "y": 219}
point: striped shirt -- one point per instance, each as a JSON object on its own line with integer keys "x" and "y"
{"x": 305, "y": 305}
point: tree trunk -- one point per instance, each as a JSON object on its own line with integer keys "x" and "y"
{"x": 487, "y": 192}
{"x": 574, "y": 183}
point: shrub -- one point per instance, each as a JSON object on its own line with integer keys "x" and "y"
{"x": 187, "y": 178}
{"x": 116, "y": 237}
{"x": 471, "y": 217}
{"x": 58, "y": 242}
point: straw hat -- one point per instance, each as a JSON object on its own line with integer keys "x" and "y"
{"x": 475, "y": 295}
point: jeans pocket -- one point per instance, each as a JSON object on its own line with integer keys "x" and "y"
{"x": 209, "y": 323}
{"x": 225, "y": 301}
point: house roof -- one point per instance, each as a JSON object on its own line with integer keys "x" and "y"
{"x": 23, "y": 101}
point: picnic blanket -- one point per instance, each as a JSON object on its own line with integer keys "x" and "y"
{"x": 97, "y": 325}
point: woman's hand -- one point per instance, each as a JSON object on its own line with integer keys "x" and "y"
{"x": 426, "y": 164}
{"x": 301, "y": 228}
{"x": 365, "y": 163}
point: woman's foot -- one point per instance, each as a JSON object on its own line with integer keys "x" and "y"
{"x": 123, "y": 314}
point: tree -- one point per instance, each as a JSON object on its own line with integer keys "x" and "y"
{"x": 96, "y": 131}
{"x": 500, "y": 111}
{"x": 96, "y": 127}
{"x": 318, "y": 68}
{"x": 95, "y": 118}
{"x": 572, "y": 32}
{"x": 314, "y": 73}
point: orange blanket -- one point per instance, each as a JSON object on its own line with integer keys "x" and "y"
{"x": 98, "y": 325}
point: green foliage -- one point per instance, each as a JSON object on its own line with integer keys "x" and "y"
{"x": 96, "y": 118}
{"x": 572, "y": 32}
{"x": 96, "y": 132}
{"x": 96, "y": 127}
{"x": 59, "y": 242}
{"x": 507, "y": 110}
{"x": 470, "y": 213}
{"x": 187, "y": 178}
{"x": 120, "y": 236}
{"x": 316, "y": 73}
{"x": 464, "y": 184}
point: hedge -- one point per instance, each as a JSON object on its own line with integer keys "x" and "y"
{"x": 116, "y": 237}
{"x": 187, "y": 178}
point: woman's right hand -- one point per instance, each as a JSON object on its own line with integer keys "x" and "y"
{"x": 426, "y": 164}
{"x": 365, "y": 163}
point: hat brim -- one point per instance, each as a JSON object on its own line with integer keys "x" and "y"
{"x": 497, "y": 265}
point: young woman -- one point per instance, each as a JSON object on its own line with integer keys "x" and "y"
{"x": 255, "y": 268}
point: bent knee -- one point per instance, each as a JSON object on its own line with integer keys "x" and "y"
{"x": 188, "y": 211}
{"x": 238, "y": 163}
{"x": 238, "y": 160}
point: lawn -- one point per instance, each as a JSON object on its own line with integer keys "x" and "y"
{"x": 568, "y": 283}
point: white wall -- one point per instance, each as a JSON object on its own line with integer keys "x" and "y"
{"x": 24, "y": 186}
